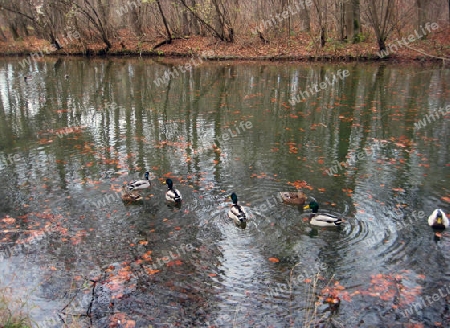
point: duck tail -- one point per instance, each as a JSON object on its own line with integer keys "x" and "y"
{"x": 338, "y": 222}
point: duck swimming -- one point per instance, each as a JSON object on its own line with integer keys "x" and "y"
{"x": 322, "y": 220}
{"x": 438, "y": 220}
{"x": 237, "y": 212}
{"x": 172, "y": 195}
{"x": 139, "y": 184}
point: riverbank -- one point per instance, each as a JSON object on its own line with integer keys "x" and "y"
{"x": 436, "y": 47}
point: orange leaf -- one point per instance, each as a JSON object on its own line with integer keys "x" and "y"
{"x": 446, "y": 199}
{"x": 176, "y": 262}
{"x": 150, "y": 271}
{"x": 273, "y": 259}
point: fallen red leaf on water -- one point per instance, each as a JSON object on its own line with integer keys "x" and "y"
{"x": 176, "y": 262}
{"x": 9, "y": 220}
{"x": 151, "y": 271}
{"x": 146, "y": 256}
{"x": 299, "y": 184}
{"x": 273, "y": 259}
{"x": 446, "y": 199}
{"x": 321, "y": 189}
{"x": 212, "y": 274}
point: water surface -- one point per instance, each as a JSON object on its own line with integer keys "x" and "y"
{"x": 72, "y": 247}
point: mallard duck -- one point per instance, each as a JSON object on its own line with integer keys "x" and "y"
{"x": 322, "y": 220}
{"x": 172, "y": 195}
{"x": 293, "y": 198}
{"x": 438, "y": 220}
{"x": 237, "y": 212}
{"x": 139, "y": 184}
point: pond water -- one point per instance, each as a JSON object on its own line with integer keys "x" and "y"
{"x": 355, "y": 137}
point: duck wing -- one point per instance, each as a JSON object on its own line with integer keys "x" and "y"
{"x": 137, "y": 184}
{"x": 173, "y": 194}
{"x": 238, "y": 211}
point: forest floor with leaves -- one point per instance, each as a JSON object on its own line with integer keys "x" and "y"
{"x": 302, "y": 47}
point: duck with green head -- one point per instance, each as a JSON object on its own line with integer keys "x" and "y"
{"x": 172, "y": 195}
{"x": 322, "y": 219}
{"x": 237, "y": 212}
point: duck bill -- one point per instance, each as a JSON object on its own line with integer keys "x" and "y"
{"x": 439, "y": 220}
{"x": 306, "y": 207}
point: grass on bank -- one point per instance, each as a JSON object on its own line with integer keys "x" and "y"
{"x": 13, "y": 311}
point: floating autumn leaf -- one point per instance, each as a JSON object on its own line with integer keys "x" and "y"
{"x": 176, "y": 262}
{"x": 273, "y": 259}
{"x": 299, "y": 184}
{"x": 45, "y": 141}
{"x": 446, "y": 199}
{"x": 9, "y": 220}
{"x": 147, "y": 256}
{"x": 151, "y": 271}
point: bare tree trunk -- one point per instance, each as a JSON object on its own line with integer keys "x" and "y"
{"x": 305, "y": 21}
{"x": 13, "y": 29}
{"x": 352, "y": 20}
{"x": 341, "y": 14}
{"x": 323, "y": 26}
{"x": 166, "y": 25}
{"x": 186, "y": 23}
{"x": 421, "y": 13}
{"x": 214, "y": 31}
{"x": 380, "y": 17}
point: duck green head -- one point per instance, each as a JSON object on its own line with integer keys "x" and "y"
{"x": 169, "y": 183}
{"x": 234, "y": 198}
{"x": 146, "y": 175}
{"x": 313, "y": 205}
